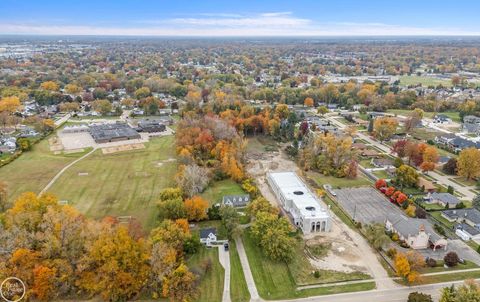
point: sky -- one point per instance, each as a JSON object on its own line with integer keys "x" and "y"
{"x": 241, "y": 18}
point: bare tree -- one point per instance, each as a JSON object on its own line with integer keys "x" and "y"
{"x": 193, "y": 179}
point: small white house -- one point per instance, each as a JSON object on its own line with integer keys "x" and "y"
{"x": 208, "y": 236}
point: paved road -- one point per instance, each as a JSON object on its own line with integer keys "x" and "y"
{"x": 63, "y": 170}
{"x": 252, "y": 288}
{"x": 442, "y": 179}
{"x": 386, "y": 295}
{"x": 224, "y": 258}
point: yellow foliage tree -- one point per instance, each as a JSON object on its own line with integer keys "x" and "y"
{"x": 196, "y": 208}
{"x": 308, "y": 102}
{"x": 384, "y": 127}
{"x": 468, "y": 163}
{"x": 50, "y": 85}
{"x": 9, "y": 104}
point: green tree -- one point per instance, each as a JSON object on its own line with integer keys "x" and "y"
{"x": 230, "y": 220}
{"x": 419, "y": 297}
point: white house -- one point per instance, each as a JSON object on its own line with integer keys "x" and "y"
{"x": 302, "y": 205}
{"x": 208, "y": 236}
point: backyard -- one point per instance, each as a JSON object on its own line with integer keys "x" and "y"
{"x": 211, "y": 282}
{"x": 214, "y": 193}
{"x": 336, "y": 182}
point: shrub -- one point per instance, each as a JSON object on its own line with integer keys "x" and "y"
{"x": 392, "y": 252}
{"x": 451, "y": 259}
{"x": 419, "y": 297}
{"x": 395, "y": 237}
{"x": 439, "y": 229}
{"x": 431, "y": 262}
{"x": 316, "y": 274}
{"x": 420, "y": 213}
{"x": 460, "y": 205}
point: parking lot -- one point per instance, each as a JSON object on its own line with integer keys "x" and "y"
{"x": 365, "y": 204}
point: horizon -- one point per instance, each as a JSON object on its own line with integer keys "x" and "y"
{"x": 304, "y": 18}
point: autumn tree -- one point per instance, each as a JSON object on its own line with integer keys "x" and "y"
{"x": 103, "y": 107}
{"x": 50, "y": 85}
{"x": 430, "y": 159}
{"x": 308, "y": 102}
{"x": 450, "y": 167}
{"x": 406, "y": 176}
{"x": 384, "y": 127}
{"x": 468, "y": 163}
{"x": 179, "y": 285}
{"x": 196, "y": 208}
{"x": 3, "y": 197}
{"x": 260, "y": 204}
{"x": 272, "y": 234}
{"x": 72, "y": 89}
{"x": 115, "y": 266}
{"x": 9, "y": 104}
{"x": 171, "y": 205}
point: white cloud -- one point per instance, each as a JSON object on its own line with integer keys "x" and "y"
{"x": 226, "y": 24}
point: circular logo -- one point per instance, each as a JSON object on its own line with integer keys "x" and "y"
{"x": 12, "y": 289}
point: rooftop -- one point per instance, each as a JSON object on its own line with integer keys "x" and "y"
{"x": 293, "y": 188}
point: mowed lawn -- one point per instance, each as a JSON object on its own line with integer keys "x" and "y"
{"x": 455, "y": 116}
{"x": 274, "y": 280}
{"x": 424, "y": 81}
{"x": 211, "y": 283}
{"x": 33, "y": 169}
{"x": 214, "y": 193}
{"x": 338, "y": 182}
{"x": 120, "y": 184}
{"x": 238, "y": 286}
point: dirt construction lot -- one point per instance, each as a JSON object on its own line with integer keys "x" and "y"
{"x": 350, "y": 251}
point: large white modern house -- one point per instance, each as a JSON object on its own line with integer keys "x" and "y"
{"x": 299, "y": 202}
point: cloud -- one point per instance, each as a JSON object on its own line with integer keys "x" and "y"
{"x": 228, "y": 24}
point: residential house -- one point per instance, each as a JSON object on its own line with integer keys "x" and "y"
{"x": 236, "y": 201}
{"x": 427, "y": 185}
{"x": 442, "y": 199}
{"x": 471, "y": 124}
{"x": 382, "y": 162}
{"x": 8, "y": 144}
{"x": 441, "y": 119}
{"x": 468, "y": 222}
{"x": 208, "y": 236}
{"x": 417, "y": 233}
{"x": 455, "y": 143}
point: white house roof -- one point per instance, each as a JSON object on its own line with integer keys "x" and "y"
{"x": 293, "y": 188}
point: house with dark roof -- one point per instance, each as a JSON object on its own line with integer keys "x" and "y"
{"x": 441, "y": 119}
{"x": 382, "y": 162}
{"x": 467, "y": 232}
{"x": 468, "y": 216}
{"x": 442, "y": 199}
{"x": 236, "y": 201}
{"x": 455, "y": 143}
{"x": 208, "y": 236}
{"x": 417, "y": 233}
{"x": 471, "y": 124}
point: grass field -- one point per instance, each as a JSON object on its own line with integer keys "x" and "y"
{"x": 424, "y": 81}
{"x": 124, "y": 183}
{"x": 214, "y": 193}
{"x": 454, "y": 115}
{"x": 238, "y": 286}
{"x": 274, "y": 280}
{"x": 211, "y": 283}
{"x": 33, "y": 169}
{"x": 338, "y": 182}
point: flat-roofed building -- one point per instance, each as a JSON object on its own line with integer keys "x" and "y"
{"x": 301, "y": 204}
{"x": 106, "y": 133}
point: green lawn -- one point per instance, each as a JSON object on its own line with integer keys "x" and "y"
{"x": 238, "y": 286}
{"x": 445, "y": 278}
{"x": 214, "y": 193}
{"x": 338, "y": 182}
{"x": 446, "y": 223}
{"x": 124, "y": 183}
{"x": 211, "y": 283}
{"x": 408, "y": 80}
{"x": 33, "y": 169}
{"x": 276, "y": 280}
{"x": 366, "y": 163}
{"x": 432, "y": 206}
{"x": 454, "y": 115}
{"x": 381, "y": 174}
{"x": 261, "y": 143}
{"x": 441, "y": 268}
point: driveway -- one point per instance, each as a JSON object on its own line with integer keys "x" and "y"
{"x": 252, "y": 288}
{"x": 224, "y": 258}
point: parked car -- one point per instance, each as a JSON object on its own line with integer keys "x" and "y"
{"x": 225, "y": 246}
